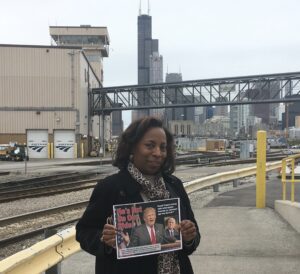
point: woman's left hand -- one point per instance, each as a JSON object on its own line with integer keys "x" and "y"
{"x": 188, "y": 230}
{"x": 109, "y": 235}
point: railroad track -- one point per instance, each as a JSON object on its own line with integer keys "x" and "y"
{"x": 214, "y": 159}
{"x": 61, "y": 183}
{"x": 246, "y": 161}
{"x": 22, "y": 227}
{"x": 48, "y": 185}
{"x": 16, "y": 229}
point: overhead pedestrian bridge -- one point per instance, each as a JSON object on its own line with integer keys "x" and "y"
{"x": 255, "y": 89}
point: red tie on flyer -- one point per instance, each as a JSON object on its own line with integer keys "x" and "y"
{"x": 153, "y": 239}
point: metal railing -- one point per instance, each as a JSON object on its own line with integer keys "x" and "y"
{"x": 289, "y": 163}
{"x": 55, "y": 249}
{"x": 42, "y": 255}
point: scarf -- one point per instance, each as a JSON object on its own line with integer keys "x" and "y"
{"x": 155, "y": 189}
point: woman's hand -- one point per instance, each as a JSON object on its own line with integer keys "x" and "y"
{"x": 109, "y": 235}
{"x": 188, "y": 230}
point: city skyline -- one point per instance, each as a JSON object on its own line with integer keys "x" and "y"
{"x": 199, "y": 39}
{"x": 266, "y": 30}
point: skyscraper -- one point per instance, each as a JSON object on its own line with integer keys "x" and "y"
{"x": 262, "y": 90}
{"x": 150, "y": 65}
{"x": 156, "y": 76}
{"x": 173, "y": 96}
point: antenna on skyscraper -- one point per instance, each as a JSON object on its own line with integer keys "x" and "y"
{"x": 148, "y": 8}
{"x": 140, "y": 10}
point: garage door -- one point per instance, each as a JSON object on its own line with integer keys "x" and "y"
{"x": 37, "y": 143}
{"x": 64, "y": 143}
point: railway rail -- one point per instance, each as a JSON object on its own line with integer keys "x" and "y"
{"x": 21, "y": 227}
{"x": 48, "y": 185}
{"x": 224, "y": 159}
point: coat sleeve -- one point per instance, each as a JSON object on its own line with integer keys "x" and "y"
{"x": 89, "y": 228}
{"x": 188, "y": 248}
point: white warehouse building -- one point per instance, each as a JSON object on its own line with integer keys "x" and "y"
{"x": 44, "y": 96}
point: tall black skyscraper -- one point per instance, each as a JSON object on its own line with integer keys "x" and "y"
{"x": 147, "y": 47}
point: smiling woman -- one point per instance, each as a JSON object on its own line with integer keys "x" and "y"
{"x": 150, "y": 152}
{"x": 145, "y": 157}
{"x": 148, "y": 141}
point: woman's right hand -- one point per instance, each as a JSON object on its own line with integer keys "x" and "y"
{"x": 109, "y": 235}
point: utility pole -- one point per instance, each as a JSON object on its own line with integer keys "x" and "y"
{"x": 286, "y": 120}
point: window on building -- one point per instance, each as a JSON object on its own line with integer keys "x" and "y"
{"x": 188, "y": 130}
{"x": 182, "y": 129}
{"x": 176, "y": 129}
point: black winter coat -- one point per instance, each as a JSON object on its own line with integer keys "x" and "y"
{"x": 121, "y": 188}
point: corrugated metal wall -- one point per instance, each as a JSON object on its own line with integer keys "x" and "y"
{"x": 35, "y": 77}
{"x": 7, "y": 138}
{"x": 43, "y": 88}
{"x": 14, "y": 122}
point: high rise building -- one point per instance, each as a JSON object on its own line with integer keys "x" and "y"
{"x": 156, "y": 76}
{"x": 267, "y": 112}
{"x": 225, "y": 89}
{"x": 293, "y": 110}
{"x": 239, "y": 119}
{"x": 156, "y": 68}
{"x": 117, "y": 122}
{"x": 209, "y": 112}
{"x": 221, "y": 110}
{"x": 172, "y": 96}
{"x": 150, "y": 63}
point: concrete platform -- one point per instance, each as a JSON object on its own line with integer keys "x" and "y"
{"x": 245, "y": 240}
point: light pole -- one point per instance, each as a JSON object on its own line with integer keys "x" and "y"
{"x": 286, "y": 121}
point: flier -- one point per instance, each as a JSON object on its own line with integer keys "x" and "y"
{"x": 147, "y": 228}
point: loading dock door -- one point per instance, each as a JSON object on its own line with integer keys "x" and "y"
{"x": 37, "y": 143}
{"x": 64, "y": 144}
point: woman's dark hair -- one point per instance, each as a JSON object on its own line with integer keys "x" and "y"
{"x": 133, "y": 134}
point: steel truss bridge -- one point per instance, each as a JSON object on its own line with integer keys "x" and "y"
{"x": 269, "y": 88}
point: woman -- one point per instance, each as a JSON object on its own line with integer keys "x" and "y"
{"x": 145, "y": 157}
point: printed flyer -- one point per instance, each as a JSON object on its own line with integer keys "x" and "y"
{"x": 147, "y": 228}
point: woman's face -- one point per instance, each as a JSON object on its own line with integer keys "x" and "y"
{"x": 150, "y": 152}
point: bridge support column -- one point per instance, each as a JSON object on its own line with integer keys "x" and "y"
{"x": 261, "y": 169}
{"x": 235, "y": 183}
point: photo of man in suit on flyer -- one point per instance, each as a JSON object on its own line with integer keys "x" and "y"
{"x": 148, "y": 233}
{"x": 171, "y": 230}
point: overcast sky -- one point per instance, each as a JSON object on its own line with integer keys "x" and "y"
{"x": 201, "y": 39}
